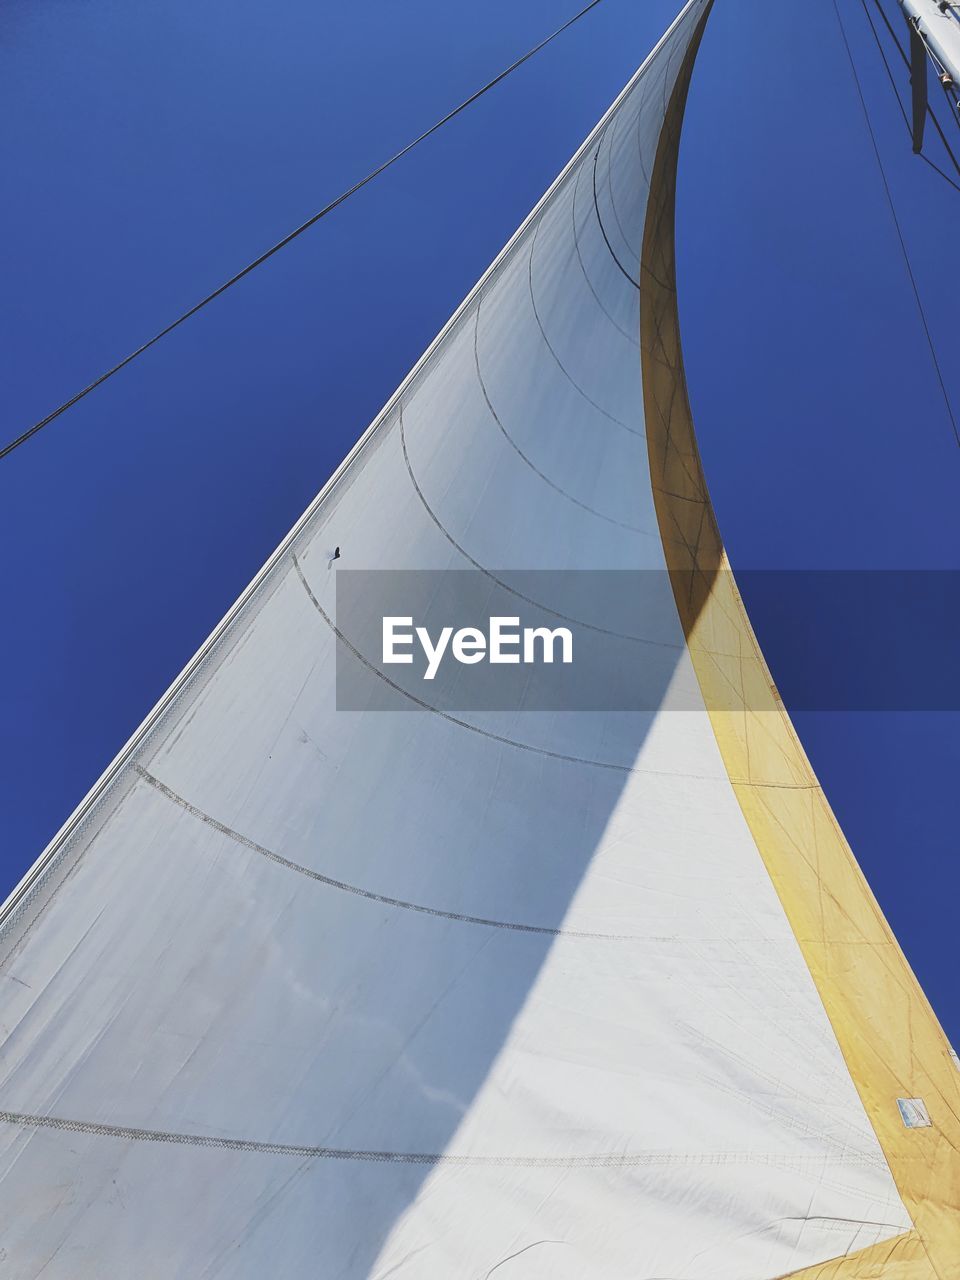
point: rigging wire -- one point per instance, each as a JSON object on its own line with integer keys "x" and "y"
{"x": 886, "y": 64}
{"x": 896, "y": 223}
{"x": 906, "y": 62}
{"x": 936, "y": 168}
{"x": 903, "y": 111}
{"x": 26, "y": 435}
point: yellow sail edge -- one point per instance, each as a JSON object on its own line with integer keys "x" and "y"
{"x": 902, "y": 1258}
{"x": 888, "y": 1034}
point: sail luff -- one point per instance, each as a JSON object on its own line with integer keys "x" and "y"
{"x": 30, "y": 881}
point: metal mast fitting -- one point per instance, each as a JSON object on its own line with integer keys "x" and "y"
{"x": 934, "y": 34}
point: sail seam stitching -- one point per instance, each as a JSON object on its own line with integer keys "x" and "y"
{"x": 30, "y": 1120}
{"x": 620, "y": 524}
{"x": 358, "y": 891}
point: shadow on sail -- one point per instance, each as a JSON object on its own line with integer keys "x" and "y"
{"x": 413, "y": 990}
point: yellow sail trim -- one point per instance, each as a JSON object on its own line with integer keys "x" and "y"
{"x": 889, "y": 1036}
{"x": 902, "y": 1258}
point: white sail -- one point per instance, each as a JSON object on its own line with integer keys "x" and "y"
{"x": 366, "y": 994}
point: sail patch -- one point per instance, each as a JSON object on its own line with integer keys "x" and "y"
{"x": 913, "y": 1112}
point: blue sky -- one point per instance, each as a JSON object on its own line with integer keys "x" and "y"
{"x": 154, "y": 148}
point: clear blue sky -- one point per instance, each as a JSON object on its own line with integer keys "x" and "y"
{"x": 151, "y": 149}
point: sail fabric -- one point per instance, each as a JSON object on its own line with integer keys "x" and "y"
{"x": 394, "y": 993}
{"x": 888, "y": 1034}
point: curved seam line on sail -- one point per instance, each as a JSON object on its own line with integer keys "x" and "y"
{"x": 95, "y": 1128}
{"x": 640, "y": 157}
{"x": 613, "y": 204}
{"x": 590, "y": 626}
{"x": 620, "y": 524}
{"x": 631, "y": 338}
{"x": 341, "y": 885}
{"x": 609, "y": 135}
{"x": 606, "y": 631}
{"x": 33, "y": 880}
{"x": 619, "y": 635}
{"x": 497, "y": 737}
{"x": 231, "y": 833}
{"x": 603, "y": 230}
{"x": 560, "y": 365}
{"x": 613, "y": 117}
